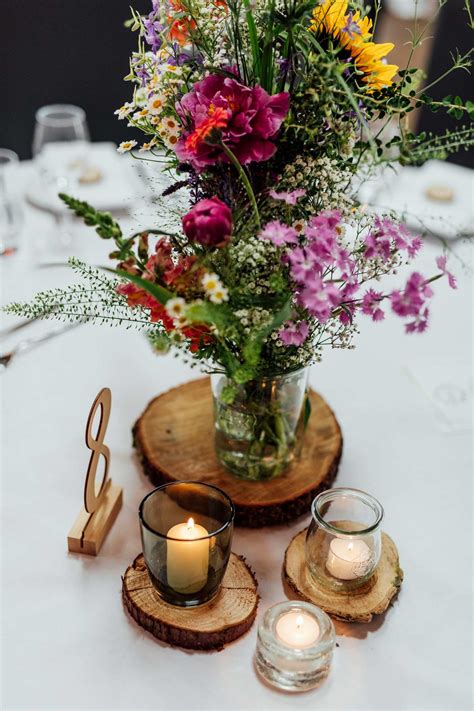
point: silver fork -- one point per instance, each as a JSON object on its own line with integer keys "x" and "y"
{"x": 30, "y": 343}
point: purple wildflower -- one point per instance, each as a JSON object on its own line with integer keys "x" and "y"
{"x": 153, "y": 30}
{"x": 351, "y": 27}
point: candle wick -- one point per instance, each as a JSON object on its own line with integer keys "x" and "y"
{"x": 299, "y": 621}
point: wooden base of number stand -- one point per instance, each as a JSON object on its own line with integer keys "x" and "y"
{"x": 222, "y": 620}
{"x": 174, "y": 439}
{"x": 358, "y": 606}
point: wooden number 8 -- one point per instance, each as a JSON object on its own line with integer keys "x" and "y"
{"x": 96, "y": 444}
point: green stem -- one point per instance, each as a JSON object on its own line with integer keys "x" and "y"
{"x": 245, "y": 181}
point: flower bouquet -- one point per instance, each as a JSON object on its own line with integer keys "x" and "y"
{"x": 267, "y": 114}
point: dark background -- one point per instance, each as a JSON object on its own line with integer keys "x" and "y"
{"x": 60, "y": 51}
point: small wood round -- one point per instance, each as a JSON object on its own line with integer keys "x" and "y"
{"x": 174, "y": 439}
{"x": 358, "y": 606}
{"x": 209, "y": 626}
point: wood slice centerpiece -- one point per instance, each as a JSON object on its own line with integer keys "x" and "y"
{"x": 361, "y": 604}
{"x": 174, "y": 439}
{"x": 222, "y": 620}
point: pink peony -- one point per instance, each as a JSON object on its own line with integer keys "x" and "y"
{"x": 253, "y": 121}
{"x": 209, "y": 222}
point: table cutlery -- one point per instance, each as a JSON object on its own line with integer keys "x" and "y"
{"x": 30, "y": 343}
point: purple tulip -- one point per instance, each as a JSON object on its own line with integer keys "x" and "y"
{"x": 209, "y": 222}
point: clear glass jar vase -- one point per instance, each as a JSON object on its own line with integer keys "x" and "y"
{"x": 343, "y": 542}
{"x": 259, "y": 425}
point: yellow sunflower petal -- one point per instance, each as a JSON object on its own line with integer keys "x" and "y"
{"x": 330, "y": 15}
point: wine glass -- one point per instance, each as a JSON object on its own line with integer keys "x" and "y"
{"x": 59, "y": 123}
{"x": 10, "y": 211}
{"x": 60, "y": 144}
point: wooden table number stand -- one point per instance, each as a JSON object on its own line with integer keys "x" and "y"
{"x": 100, "y": 507}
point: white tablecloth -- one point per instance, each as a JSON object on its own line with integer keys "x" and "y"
{"x": 67, "y": 641}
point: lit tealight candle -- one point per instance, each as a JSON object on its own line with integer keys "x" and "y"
{"x": 187, "y": 558}
{"x": 348, "y": 560}
{"x": 297, "y": 629}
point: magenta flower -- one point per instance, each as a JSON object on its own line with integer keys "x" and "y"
{"x": 279, "y": 234}
{"x": 412, "y": 302}
{"x": 420, "y": 324}
{"x": 290, "y": 198}
{"x": 388, "y": 236}
{"x": 371, "y": 305}
{"x": 441, "y": 264}
{"x": 209, "y": 222}
{"x": 294, "y": 334}
{"x": 378, "y": 244}
{"x": 320, "y": 298}
{"x": 322, "y": 237}
{"x": 253, "y": 121}
{"x": 302, "y": 264}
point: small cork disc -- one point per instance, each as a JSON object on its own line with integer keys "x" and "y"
{"x": 222, "y": 620}
{"x": 174, "y": 440}
{"x": 358, "y": 606}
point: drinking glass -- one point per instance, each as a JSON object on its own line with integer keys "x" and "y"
{"x": 60, "y": 145}
{"x": 10, "y": 211}
{"x": 59, "y": 123}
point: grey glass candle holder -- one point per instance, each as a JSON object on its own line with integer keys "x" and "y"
{"x": 186, "y": 529}
{"x": 290, "y": 657}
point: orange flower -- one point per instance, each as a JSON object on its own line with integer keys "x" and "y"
{"x": 180, "y": 30}
{"x": 216, "y": 120}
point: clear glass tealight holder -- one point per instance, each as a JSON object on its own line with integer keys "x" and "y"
{"x": 186, "y": 530}
{"x": 343, "y": 542}
{"x": 295, "y": 644}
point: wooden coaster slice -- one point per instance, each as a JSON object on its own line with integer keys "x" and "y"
{"x": 174, "y": 439}
{"x": 358, "y": 606}
{"x": 209, "y": 626}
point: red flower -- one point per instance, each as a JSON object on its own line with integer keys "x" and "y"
{"x": 209, "y": 222}
{"x": 217, "y": 120}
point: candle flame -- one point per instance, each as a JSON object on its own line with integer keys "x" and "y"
{"x": 190, "y": 523}
{"x": 350, "y": 546}
{"x": 299, "y": 621}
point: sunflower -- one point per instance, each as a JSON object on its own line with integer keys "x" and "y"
{"x": 354, "y": 34}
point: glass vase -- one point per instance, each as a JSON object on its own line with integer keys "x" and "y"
{"x": 259, "y": 425}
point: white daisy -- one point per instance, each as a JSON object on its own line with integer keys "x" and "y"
{"x": 211, "y": 282}
{"x": 175, "y": 307}
{"x": 156, "y": 103}
{"x": 124, "y": 111}
{"x": 219, "y": 295}
{"x": 126, "y": 146}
